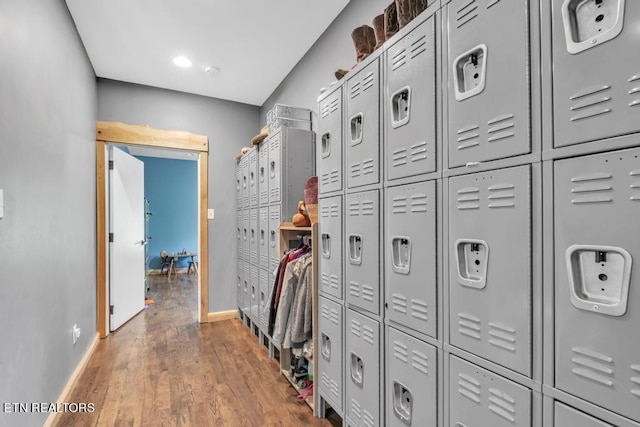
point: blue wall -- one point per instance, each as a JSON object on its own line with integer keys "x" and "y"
{"x": 171, "y": 186}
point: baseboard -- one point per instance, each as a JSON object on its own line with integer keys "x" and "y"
{"x": 64, "y": 396}
{"x": 156, "y": 272}
{"x": 222, "y": 315}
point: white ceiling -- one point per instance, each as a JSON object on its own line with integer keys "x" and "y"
{"x": 253, "y": 44}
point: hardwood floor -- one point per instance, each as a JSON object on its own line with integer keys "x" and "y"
{"x": 163, "y": 368}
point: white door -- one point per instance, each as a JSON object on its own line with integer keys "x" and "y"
{"x": 126, "y": 252}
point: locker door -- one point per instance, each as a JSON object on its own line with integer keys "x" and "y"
{"x": 489, "y": 84}
{"x": 330, "y": 352}
{"x": 410, "y": 104}
{"x": 246, "y": 285}
{"x": 602, "y": 100}
{"x": 275, "y": 167}
{"x": 330, "y": 235}
{"x": 329, "y": 145}
{"x": 240, "y": 284}
{"x": 412, "y": 381}
{"x": 478, "y": 397}
{"x": 253, "y": 236}
{"x": 255, "y": 294}
{"x": 253, "y": 177}
{"x": 362, "y": 127}
{"x": 274, "y": 237}
{"x": 239, "y": 185}
{"x": 263, "y": 174}
{"x": 246, "y": 235}
{"x": 597, "y": 206}
{"x": 364, "y": 397}
{"x": 244, "y": 162}
{"x": 239, "y": 234}
{"x": 490, "y": 264}
{"x": 263, "y": 237}
{"x": 263, "y": 304}
{"x": 566, "y": 416}
{"x": 410, "y": 256}
{"x": 362, "y": 243}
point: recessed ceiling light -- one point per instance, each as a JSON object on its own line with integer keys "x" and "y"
{"x": 181, "y": 61}
{"x": 211, "y": 69}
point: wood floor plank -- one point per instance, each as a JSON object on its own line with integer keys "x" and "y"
{"x": 163, "y": 368}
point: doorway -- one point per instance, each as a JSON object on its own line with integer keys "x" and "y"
{"x": 119, "y": 133}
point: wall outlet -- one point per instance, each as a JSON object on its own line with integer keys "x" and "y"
{"x": 75, "y": 332}
{"x": 211, "y": 214}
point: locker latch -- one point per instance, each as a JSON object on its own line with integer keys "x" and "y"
{"x": 469, "y": 71}
{"x": 599, "y": 278}
{"x": 402, "y": 402}
{"x": 237, "y": 185}
{"x": 261, "y": 237}
{"x": 252, "y": 179}
{"x": 325, "y": 145}
{"x": 589, "y": 23}
{"x": 244, "y": 182}
{"x": 273, "y": 239}
{"x": 262, "y": 298}
{"x": 400, "y": 107}
{"x": 472, "y": 257}
{"x": 355, "y": 249}
{"x": 326, "y": 245}
{"x": 245, "y": 235}
{"x": 273, "y": 168}
{"x": 253, "y": 235}
{"x": 401, "y": 260}
{"x": 262, "y": 174}
{"x": 326, "y": 347}
{"x": 357, "y": 370}
{"x": 356, "y": 129}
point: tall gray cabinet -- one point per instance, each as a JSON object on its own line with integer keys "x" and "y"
{"x": 478, "y": 202}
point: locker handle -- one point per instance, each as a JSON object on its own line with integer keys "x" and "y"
{"x": 253, "y": 292}
{"x": 355, "y": 249}
{"x": 244, "y": 182}
{"x": 326, "y": 245}
{"x": 588, "y": 24}
{"x": 262, "y": 298}
{"x": 262, "y": 174}
{"x": 273, "y": 169}
{"x": 357, "y": 370}
{"x": 326, "y": 347}
{"x": 472, "y": 258}
{"x": 400, "y": 107}
{"x": 356, "y": 129}
{"x": 469, "y": 72}
{"x": 599, "y": 278}
{"x": 273, "y": 239}
{"x": 253, "y": 235}
{"x": 325, "y": 145}
{"x": 402, "y": 402}
{"x": 401, "y": 250}
{"x": 238, "y": 233}
{"x": 237, "y": 185}
{"x": 245, "y": 234}
{"x": 252, "y": 179}
{"x": 261, "y": 237}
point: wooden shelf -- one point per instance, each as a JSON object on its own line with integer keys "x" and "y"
{"x": 308, "y": 400}
{"x": 288, "y": 226}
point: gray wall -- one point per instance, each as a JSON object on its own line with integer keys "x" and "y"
{"x": 333, "y": 50}
{"x": 229, "y": 126}
{"x": 47, "y": 236}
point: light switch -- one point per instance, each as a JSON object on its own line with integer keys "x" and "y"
{"x": 210, "y": 214}
{"x": 1, "y": 204}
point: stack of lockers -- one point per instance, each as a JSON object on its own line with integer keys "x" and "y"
{"x": 433, "y": 173}
{"x": 270, "y": 181}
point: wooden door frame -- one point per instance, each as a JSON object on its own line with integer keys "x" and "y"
{"x": 120, "y": 133}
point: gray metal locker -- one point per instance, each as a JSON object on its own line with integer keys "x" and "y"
{"x": 246, "y": 235}
{"x": 490, "y": 292}
{"x": 364, "y": 398}
{"x": 239, "y": 200}
{"x": 329, "y": 146}
{"x": 244, "y": 163}
{"x": 330, "y": 365}
{"x": 410, "y": 256}
{"x": 566, "y": 416}
{"x": 362, "y": 246}
{"x": 246, "y": 288}
{"x": 412, "y": 381}
{"x": 488, "y": 75}
{"x": 253, "y": 177}
{"x": 330, "y": 245}
{"x": 291, "y": 162}
{"x": 255, "y": 294}
{"x": 275, "y": 167}
{"x": 263, "y": 303}
{"x": 263, "y": 174}
{"x": 239, "y": 233}
{"x": 410, "y": 104}
{"x": 362, "y": 126}
{"x": 598, "y": 38}
{"x": 263, "y": 237}
{"x": 479, "y": 398}
{"x": 253, "y": 236}
{"x": 597, "y": 312}
{"x": 274, "y": 237}
{"x": 240, "y": 284}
